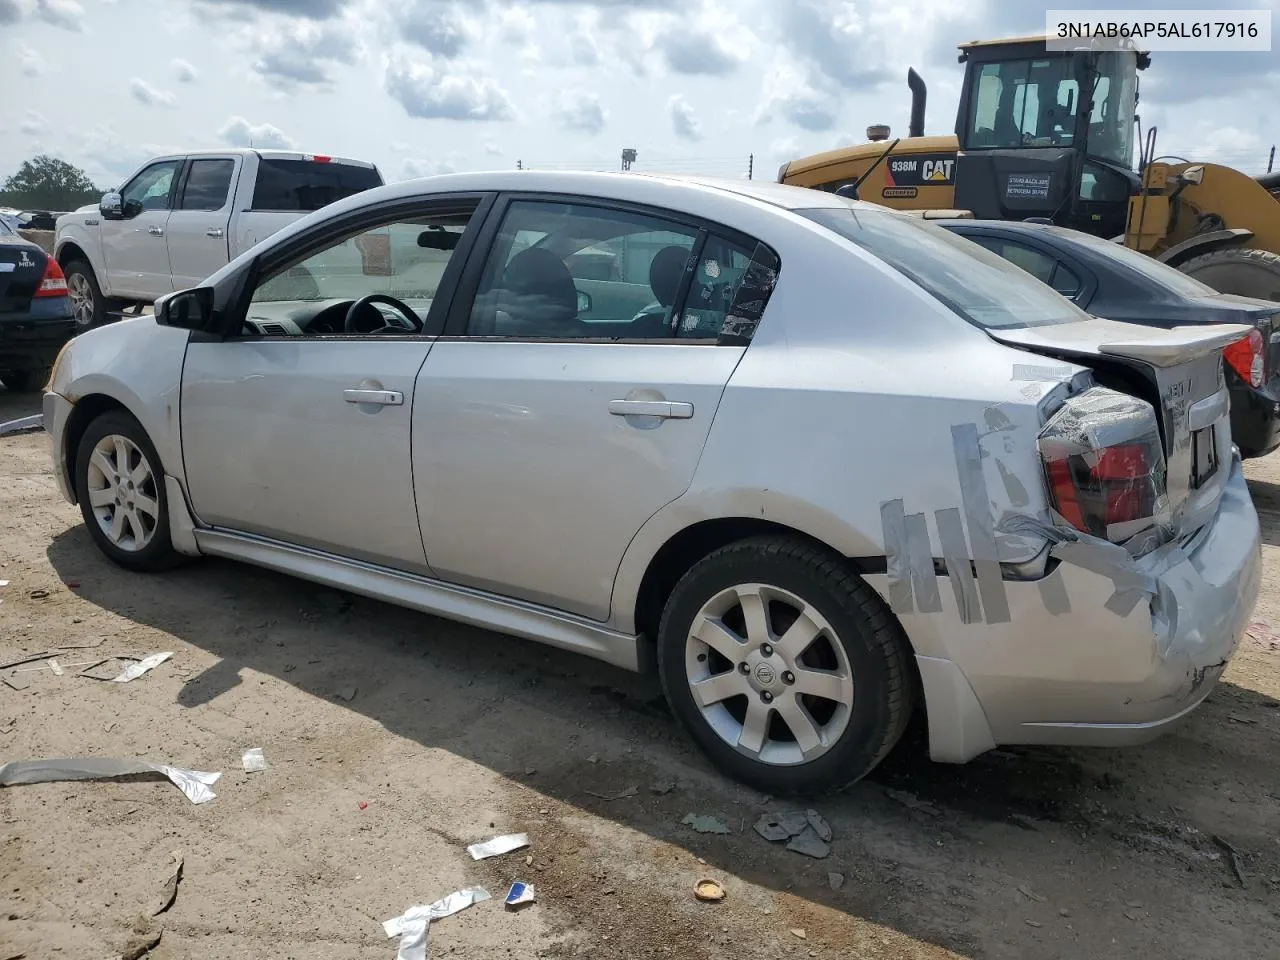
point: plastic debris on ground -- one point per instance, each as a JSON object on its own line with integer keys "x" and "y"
{"x": 169, "y": 892}
{"x": 254, "y": 761}
{"x": 194, "y": 784}
{"x": 519, "y": 894}
{"x": 805, "y": 831}
{"x": 498, "y": 846}
{"x": 708, "y": 890}
{"x": 835, "y": 880}
{"x": 34, "y": 422}
{"x": 346, "y": 694}
{"x": 620, "y": 795}
{"x": 705, "y": 824}
{"x": 134, "y": 670}
{"x": 411, "y": 926}
{"x": 912, "y": 802}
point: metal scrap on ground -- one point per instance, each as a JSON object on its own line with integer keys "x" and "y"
{"x": 498, "y": 846}
{"x": 134, "y": 670}
{"x": 34, "y": 422}
{"x": 194, "y": 784}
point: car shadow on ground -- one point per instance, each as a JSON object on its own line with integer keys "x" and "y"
{"x": 914, "y": 835}
{"x": 1266, "y": 498}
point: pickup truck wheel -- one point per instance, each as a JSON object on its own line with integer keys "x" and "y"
{"x": 24, "y": 381}
{"x": 784, "y": 666}
{"x": 120, "y": 488}
{"x": 88, "y": 306}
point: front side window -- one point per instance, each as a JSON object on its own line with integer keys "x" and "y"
{"x": 1023, "y": 103}
{"x": 404, "y": 260}
{"x": 150, "y": 189}
{"x": 207, "y": 186}
{"x": 975, "y": 283}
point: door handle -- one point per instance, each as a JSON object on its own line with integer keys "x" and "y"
{"x": 156, "y": 231}
{"x": 215, "y": 232}
{"x": 667, "y": 409}
{"x": 386, "y": 398}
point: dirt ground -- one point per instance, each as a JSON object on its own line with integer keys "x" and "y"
{"x": 452, "y": 735}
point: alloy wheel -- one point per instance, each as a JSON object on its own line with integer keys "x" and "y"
{"x": 81, "y": 296}
{"x": 768, "y": 674}
{"x": 122, "y": 493}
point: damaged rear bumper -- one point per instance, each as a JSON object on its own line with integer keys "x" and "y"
{"x": 57, "y": 411}
{"x": 1088, "y": 675}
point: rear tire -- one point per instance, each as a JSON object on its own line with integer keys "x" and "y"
{"x": 1246, "y": 273}
{"x": 783, "y": 713}
{"x": 25, "y": 381}
{"x": 120, "y": 488}
{"x": 88, "y": 306}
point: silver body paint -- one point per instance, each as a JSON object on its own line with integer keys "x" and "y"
{"x": 861, "y": 399}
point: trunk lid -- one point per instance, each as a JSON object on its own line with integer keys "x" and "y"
{"x": 1179, "y": 371}
{"x": 21, "y": 270}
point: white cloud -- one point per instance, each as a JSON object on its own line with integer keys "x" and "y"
{"x": 413, "y": 169}
{"x": 30, "y": 61}
{"x": 298, "y": 53}
{"x": 453, "y": 94}
{"x": 144, "y": 92}
{"x": 312, "y": 9}
{"x": 184, "y": 71}
{"x": 580, "y": 110}
{"x": 67, "y": 14}
{"x": 239, "y": 132}
{"x": 439, "y": 28}
{"x": 792, "y": 97}
{"x": 33, "y": 123}
{"x": 683, "y": 120}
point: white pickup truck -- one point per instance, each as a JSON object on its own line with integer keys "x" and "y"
{"x": 180, "y": 218}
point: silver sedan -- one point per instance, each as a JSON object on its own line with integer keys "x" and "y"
{"x": 818, "y": 464}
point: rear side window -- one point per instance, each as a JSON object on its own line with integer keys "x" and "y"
{"x": 306, "y": 185}
{"x": 979, "y": 286}
{"x": 208, "y": 183}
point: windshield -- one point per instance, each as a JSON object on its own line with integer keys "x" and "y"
{"x": 982, "y": 288}
{"x": 1162, "y": 275}
{"x": 1034, "y": 103}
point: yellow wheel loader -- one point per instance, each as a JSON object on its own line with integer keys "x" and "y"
{"x": 1048, "y": 135}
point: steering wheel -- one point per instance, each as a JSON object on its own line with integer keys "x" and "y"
{"x": 411, "y": 321}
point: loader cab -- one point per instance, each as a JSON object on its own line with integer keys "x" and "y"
{"x": 1044, "y": 133}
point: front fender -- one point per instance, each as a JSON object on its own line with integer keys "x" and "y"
{"x": 137, "y": 363}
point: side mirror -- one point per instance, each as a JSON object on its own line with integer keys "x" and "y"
{"x": 584, "y": 302}
{"x": 111, "y": 206}
{"x": 186, "y": 309}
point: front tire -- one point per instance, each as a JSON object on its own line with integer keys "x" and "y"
{"x": 784, "y": 666}
{"x": 88, "y": 306}
{"x": 120, "y": 488}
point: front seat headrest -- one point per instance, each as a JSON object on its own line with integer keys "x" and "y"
{"x": 540, "y": 288}
{"x": 666, "y": 271}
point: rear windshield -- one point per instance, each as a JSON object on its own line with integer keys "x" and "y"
{"x": 4, "y": 226}
{"x": 308, "y": 185}
{"x": 1162, "y": 275}
{"x": 980, "y": 286}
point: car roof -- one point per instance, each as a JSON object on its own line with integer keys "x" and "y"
{"x": 605, "y": 184}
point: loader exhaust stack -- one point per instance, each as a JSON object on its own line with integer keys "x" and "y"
{"x": 918, "y": 92}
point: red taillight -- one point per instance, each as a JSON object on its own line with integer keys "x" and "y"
{"x": 54, "y": 282}
{"x": 1094, "y": 491}
{"x": 1245, "y": 357}
{"x": 1104, "y": 464}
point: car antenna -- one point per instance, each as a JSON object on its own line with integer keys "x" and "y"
{"x": 888, "y": 150}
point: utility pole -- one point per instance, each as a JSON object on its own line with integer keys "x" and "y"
{"x": 1271, "y": 159}
{"x": 628, "y": 157}
{"x": 751, "y": 164}
{"x": 519, "y": 164}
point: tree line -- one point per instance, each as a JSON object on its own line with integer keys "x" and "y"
{"x": 47, "y": 183}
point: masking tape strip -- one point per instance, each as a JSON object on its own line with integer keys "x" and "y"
{"x": 1053, "y": 591}
{"x": 920, "y": 564}
{"x": 977, "y": 508}
{"x": 956, "y": 553}
{"x": 893, "y": 521}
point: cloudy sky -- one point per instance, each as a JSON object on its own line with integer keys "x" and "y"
{"x": 421, "y": 86}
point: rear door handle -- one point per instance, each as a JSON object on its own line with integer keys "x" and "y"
{"x": 156, "y": 231}
{"x": 386, "y": 398}
{"x": 215, "y": 232}
{"x": 667, "y": 409}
